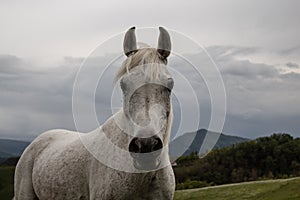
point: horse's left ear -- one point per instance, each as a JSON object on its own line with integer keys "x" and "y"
{"x": 164, "y": 43}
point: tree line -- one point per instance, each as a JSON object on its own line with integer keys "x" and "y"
{"x": 276, "y": 156}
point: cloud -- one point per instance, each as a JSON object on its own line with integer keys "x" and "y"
{"x": 247, "y": 70}
{"x": 256, "y": 47}
{"x": 59, "y": 28}
{"x": 258, "y": 95}
{"x": 292, "y": 65}
{"x": 33, "y": 101}
{"x": 260, "y": 98}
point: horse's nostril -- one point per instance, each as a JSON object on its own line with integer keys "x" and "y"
{"x": 145, "y": 145}
{"x": 137, "y": 143}
{"x": 157, "y": 144}
{"x": 134, "y": 146}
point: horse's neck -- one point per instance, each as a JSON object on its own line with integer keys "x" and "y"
{"x": 117, "y": 130}
{"x": 109, "y": 144}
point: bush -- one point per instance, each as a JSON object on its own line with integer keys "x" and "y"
{"x": 190, "y": 184}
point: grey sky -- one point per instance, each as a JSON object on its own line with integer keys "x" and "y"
{"x": 58, "y": 28}
{"x": 255, "y": 43}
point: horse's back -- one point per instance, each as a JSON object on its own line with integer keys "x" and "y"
{"x": 52, "y": 167}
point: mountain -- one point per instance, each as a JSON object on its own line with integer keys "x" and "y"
{"x": 192, "y": 142}
{"x": 12, "y": 161}
{"x": 182, "y": 145}
{"x": 12, "y": 148}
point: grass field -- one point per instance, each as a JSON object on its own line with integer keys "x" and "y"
{"x": 283, "y": 189}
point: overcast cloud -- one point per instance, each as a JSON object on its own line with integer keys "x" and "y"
{"x": 255, "y": 44}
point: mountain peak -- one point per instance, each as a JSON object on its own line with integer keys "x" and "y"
{"x": 192, "y": 142}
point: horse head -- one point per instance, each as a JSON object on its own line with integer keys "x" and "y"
{"x": 146, "y": 84}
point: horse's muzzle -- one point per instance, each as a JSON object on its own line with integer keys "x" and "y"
{"x": 146, "y": 152}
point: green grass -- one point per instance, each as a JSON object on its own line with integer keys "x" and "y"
{"x": 284, "y": 189}
{"x": 6, "y": 182}
{"x": 287, "y": 189}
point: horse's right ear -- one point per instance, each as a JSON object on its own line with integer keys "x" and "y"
{"x": 129, "y": 44}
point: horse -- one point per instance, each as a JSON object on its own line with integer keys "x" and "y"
{"x": 63, "y": 164}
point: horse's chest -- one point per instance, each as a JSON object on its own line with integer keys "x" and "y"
{"x": 120, "y": 185}
{"x": 60, "y": 177}
{"x": 62, "y": 185}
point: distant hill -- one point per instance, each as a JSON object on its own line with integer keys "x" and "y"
{"x": 12, "y": 161}
{"x": 5, "y": 154}
{"x": 275, "y": 156}
{"x": 12, "y": 148}
{"x": 192, "y": 142}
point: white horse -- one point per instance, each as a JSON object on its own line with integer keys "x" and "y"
{"x": 61, "y": 164}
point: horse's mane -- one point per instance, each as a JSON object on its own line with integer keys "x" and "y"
{"x": 144, "y": 56}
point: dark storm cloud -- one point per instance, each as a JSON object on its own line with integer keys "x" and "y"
{"x": 9, "y": 61}
{"x": 12, "y": 65}
{"x": 33, "y": 101}
{"x": 248, "y": 70}
{"x": 292, "y": 65}
{"x": 251, "y": 38}
{"x": 290, "y": 50}
{"x": 260, "y": 99}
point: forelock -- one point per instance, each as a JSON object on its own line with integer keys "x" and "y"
{"x": 141, "y": 57}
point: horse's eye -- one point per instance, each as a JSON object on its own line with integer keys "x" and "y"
{"x": 168, "y": 113}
